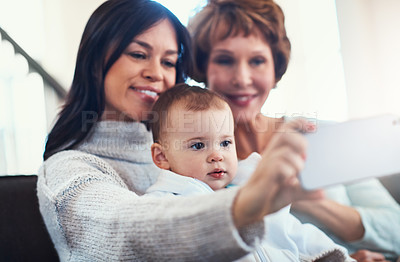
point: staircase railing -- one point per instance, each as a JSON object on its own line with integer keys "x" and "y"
{"x": 35, "y": 66}
{"x": 29, "y": 101}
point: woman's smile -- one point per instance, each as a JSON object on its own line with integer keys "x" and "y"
{"x": 147, "y": 94}
{"x": 241, "y": 100}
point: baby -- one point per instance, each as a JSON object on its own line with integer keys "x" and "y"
{"x": 194, "y": 137}
{"x": 193, "y": 132}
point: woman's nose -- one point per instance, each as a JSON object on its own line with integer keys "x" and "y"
{"x": 153, "y": 71}
{"x": 242, "y": 75}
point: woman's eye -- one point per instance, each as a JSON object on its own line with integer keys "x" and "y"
{"x": 225, "y": 143}
{"x": 223, "y": 60}
{"x": 169, "y": 64}
{"x": 197, "y": 146}
{"x": 257, "y": 61}
{"x": 137, "y": 55}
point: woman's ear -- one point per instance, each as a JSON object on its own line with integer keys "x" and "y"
{"x": 157, "y": 153}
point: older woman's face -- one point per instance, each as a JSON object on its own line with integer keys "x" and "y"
{"x": 242, "y": 69}
{"x": 144, "y": 70}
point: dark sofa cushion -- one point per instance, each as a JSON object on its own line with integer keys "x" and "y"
{"x": 23, "y": 235}
{"x": 392, "y": 184}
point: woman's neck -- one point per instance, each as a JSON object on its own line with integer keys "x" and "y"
{"x": 254, "y": 136}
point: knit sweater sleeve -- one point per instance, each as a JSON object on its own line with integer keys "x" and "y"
{"x": 91, "y": 215}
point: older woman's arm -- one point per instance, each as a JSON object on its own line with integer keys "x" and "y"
{"x": 343, "y": 220}
{"x": 380, "y": 215}
{"x": 368, "y": 218}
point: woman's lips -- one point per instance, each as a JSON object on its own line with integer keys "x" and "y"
{"x": 241, "y": 100}
{"x": 146, "y": 95}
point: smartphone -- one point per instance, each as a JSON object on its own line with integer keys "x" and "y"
{"x": 350, "y": 151}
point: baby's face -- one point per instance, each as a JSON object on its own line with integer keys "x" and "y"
{"x": 201, "y": 145}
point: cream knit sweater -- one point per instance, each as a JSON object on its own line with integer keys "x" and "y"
{"x": 90, "y": 199}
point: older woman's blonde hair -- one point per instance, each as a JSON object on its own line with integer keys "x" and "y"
{"x": 221, "y": 19}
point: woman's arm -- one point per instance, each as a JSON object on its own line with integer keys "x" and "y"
{"x": 367, "y": 202}
{"x": 368, "y": 256}
{"x": 380, "y": 215}
{"x": 91, "y": 215}
{"x": 344, "y": 221}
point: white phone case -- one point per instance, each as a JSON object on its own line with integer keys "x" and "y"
{"x": 354, "y": 150}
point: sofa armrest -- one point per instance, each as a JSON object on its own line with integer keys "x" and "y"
{"x": 23, "y": 236}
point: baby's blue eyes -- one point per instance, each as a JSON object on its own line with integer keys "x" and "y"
{"x": 201, "y": 145}
{"x": 225, "y": 143}
{"x": 197, "y": 146}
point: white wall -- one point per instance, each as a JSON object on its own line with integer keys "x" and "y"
{"x": 333, "y": 74}
{"x": 49, "y": 30}
{"x": 64, "y": 22}
{"x": 313, "y": 85}
{"x": 23, "y": 21}
{"x": 370, "y": 40}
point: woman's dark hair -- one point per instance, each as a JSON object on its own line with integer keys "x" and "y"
{"x": 110, "y": 29}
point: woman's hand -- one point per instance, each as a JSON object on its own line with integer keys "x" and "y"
{"x": 275, "y": 184}
{"x": 368, "y": 256}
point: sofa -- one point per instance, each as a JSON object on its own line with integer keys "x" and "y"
{"x": 23, "y": 235}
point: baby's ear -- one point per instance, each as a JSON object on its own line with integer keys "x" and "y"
{"x": 158, "y": 156}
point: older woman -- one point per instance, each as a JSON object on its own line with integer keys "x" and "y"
{"x": 241, "y": 51}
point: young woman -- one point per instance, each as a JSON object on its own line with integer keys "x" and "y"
{"x": 241, "y": 51}
{"x": 98, "y": 161}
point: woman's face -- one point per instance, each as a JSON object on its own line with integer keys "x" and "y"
{"x": 242, "y": 69}
{"x": 144, "y": 70}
